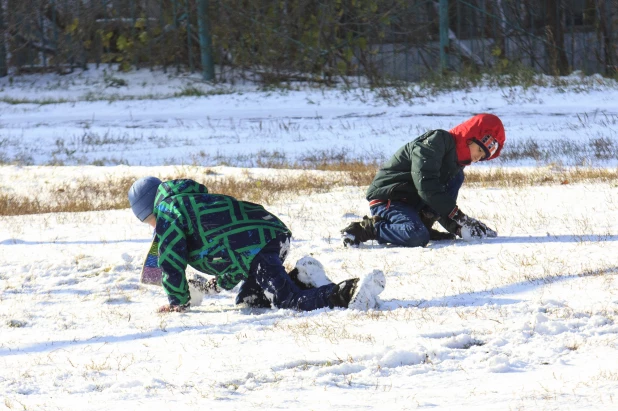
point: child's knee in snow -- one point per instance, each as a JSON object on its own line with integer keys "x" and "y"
{"x": 419, "y": 237}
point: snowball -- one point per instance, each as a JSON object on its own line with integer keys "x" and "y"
{"x": 466, "y": 234}
{"x": 196, "y": 296}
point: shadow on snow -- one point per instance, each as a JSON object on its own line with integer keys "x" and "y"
{"x": 17, "y": 241}
{"x": 493, "y": 295}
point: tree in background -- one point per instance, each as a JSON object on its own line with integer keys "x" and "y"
{"x": 322, "y": 41}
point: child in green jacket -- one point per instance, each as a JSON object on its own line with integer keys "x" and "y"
{"x": 419, "y": 185}
{"x": 235, "y": 241}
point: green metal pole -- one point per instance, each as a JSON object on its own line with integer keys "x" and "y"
{"x": 572, "y": 15}
{"x": 133, "y": 37}
{"x": 149, "y": 36}
{"x": 162, "y": 27}
{"x": 208, "y": 66}
{"x": 443, "y": 35}
{"x": 29, "y": 50}
{"x": 3, "y": 67}
{"x": 175, "y": 15}
{"x": 42, "y": 38}
{"x": 53, "y": 5}
{"x": 482, "y": 31}
{"x": 189, "y": 42}
{"x": 610, "y": 65}
{"x": 458, "y": 34}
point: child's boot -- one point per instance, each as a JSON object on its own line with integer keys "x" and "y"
{"x": 360, "y": 294}
{"x": 360, "y": 231}
{"x": 309, "y": 273}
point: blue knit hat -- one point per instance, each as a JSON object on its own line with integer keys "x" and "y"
{"x": 142, "y": 196}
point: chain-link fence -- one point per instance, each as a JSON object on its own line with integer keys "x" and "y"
{"x": 324, "y": 41}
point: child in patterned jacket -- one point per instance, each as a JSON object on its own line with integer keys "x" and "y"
{"x": 236, "y": 241}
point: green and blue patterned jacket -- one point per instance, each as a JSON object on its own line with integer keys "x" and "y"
{"x": 215, "y": 234}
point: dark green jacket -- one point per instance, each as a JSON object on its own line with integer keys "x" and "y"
{"x": 215, "y": 234}
{"x": 418, "y": 173}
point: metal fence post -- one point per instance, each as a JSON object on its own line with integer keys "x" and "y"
{"x": 189, "y": 42}
{"x": 443, "y": 34}
{"x": 208, "y": 67}
{"x": 611, "y": 63}
{"x": 3, "y": 66}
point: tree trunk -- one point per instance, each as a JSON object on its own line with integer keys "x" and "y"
{"x": 607, "y": 27}
{"x": 559, "y": 64}
{"x": 613, "y": 28}
{"x": 3, "y": 60}
{"x": 501, "y": 35}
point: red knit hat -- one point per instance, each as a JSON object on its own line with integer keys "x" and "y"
{"x": 484, "y": 129}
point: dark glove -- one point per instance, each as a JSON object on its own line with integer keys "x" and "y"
{"x": 471, "y": 227}
{"x": 168, "y": 308}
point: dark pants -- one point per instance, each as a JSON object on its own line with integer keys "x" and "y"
{"x": 269, "y": 282}
{"x": 401, "y": 224}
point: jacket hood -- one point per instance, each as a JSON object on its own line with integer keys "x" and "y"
{"x": 476, "y": 128}
{"x": 179, "y": 187}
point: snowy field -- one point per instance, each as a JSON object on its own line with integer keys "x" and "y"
{"x": 526, "y": 321}
{"x": 100, "y": 121}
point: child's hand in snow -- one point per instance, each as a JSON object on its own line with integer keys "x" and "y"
{"x": 168, "y": 308}
{"x": 471, "y": 228}
{"x": 474, "y": 229}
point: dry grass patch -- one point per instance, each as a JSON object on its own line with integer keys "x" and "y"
{"x": 82, "y": 194}
{"x": 505, "y": 177}
{"x": 110, "y": 193}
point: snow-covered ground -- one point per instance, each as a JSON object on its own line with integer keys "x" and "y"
{"x": 526, "y": 321}
{"x": 143, "y": 124}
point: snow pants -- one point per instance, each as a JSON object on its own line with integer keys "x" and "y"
{"x": 269, "y": 282}
{"x": 401, "y": 223}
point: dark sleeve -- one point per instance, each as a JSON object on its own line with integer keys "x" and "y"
{"x": 173, "y": 256}
{"x": 427, "y": 156}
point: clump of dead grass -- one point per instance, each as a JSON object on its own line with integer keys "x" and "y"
{"x": 82, "y": 194}
{"x": 505, "y": 177}
{"x": 88, "y": 194}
